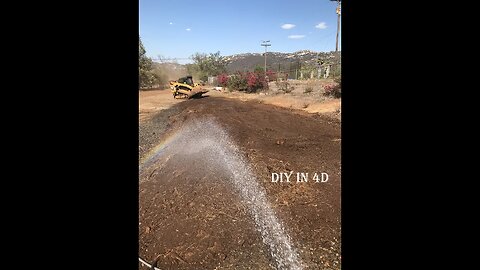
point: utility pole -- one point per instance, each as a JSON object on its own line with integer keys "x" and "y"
{"x": 266, "y": 43}
{"x": 338, "y": 24}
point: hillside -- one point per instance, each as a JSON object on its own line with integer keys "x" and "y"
{"x": 277, "y": 60}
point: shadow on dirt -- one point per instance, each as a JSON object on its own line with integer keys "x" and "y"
{"x": 199, "y": 97}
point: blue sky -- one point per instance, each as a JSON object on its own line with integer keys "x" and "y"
{"x": 179, "y": 28}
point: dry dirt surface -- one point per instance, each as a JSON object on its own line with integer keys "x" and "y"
{"x": 155, "y": 100}
{"x": 206, "y": 196}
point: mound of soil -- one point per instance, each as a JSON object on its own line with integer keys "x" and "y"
{"x": 192, "y": 217}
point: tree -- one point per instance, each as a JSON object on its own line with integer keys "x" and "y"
{"x": 258, "y": 69}
{"x": 205, "y": 65}
{"x": 146, "y": 77}
{"x": 145, "y": 63}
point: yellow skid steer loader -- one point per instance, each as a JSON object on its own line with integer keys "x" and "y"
{"x": 186, "y": 88}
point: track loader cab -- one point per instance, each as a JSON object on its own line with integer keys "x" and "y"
{"x": 187, "y": 80}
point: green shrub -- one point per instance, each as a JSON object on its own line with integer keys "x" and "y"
{"x": 284, "y": 86}
{"x": 308, "y": 89}
{"x": 238, "y": 82}
{"x": 249, "y": 82}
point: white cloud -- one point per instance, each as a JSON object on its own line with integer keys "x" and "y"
{"x": 170, "y": 23}
{"x": 321, "y": 25}
{"x": 188, "y": 29}
{"x": 288, "y": 26}
{"x": 296, "y": 36}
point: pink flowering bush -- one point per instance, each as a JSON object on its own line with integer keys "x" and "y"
{"x": 272, "y": 76}
{"x": 334, "y": 89}
{"x": 249, "y": 82}
{"x": 222, "y": 79}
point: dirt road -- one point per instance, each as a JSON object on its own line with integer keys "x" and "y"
{"x": 207, "y": 200}
{"x": 153, "y": 101}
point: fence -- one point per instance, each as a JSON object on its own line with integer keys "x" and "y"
{"x": 319, "y": 72}
{"x": 304, "y": 70}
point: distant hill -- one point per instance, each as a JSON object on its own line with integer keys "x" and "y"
{"x": 286, "y": 62}
{"x": 277, "y": 60}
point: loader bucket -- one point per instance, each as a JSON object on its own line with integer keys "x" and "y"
{"x": 196, "y": 93}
